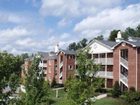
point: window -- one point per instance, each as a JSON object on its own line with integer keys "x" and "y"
{"x": 109, "y": 55}
{"x": 102, "y": 55}
{"x": 124, "y": 54}
{"x": 95, "y": 56}
{"x": 70, "y": 67}
{"x": 44, "y": 61}
{"x": 44, "y": 68}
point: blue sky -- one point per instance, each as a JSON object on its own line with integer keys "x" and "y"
{"x": 38, "y": 25}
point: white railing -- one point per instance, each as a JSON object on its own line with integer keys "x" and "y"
{"x": 104, "y": 61}
{"x": 40, "y": 64}
{"x": 60, "y": 81}
{"x": 61, "y": 64}
{"x": 45, "y": 71}
{"x": 104, "y": 74}
{"x": 124, "y": 62}
{"x": 60, "y": 75}
{"x": 124, "y": 79}
{"x": 45, "y": 65}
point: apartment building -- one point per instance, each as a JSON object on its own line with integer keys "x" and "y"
{"x": 102, "y": 53}
{"x": 120, "y": 61}
{"x": 48, "y": 64}
{"x": 66, "y": 65}
{"x": 58, "y": 65}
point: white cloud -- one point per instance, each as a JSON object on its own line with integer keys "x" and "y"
{"x": 109, "y": 19}
{"x": 8, "y": 17}
{"x": 74, "y": 8}
{"x": 63, "y": 23}
{"x": 14, "y": 32}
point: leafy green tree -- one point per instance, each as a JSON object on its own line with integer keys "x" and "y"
{"x": 113, "y": 35}
{"x": 100, "y": 37}
{"x": 72, "y": 46}
{"x": 138, "y": 31}
{"x": 37, "y": 90}
{"x": 132, "y": 97}
{"x": 129, "y": 32}
{"x": 81, "y": 88}
{"x": 10, "y": 69}
{"x": 79, "y": 45}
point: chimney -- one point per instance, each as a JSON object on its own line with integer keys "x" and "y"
{"x": 119, "y": 37}
{"x": 56, "y": 48}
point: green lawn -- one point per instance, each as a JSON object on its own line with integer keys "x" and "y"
{"x": 104, "y": 101}
{"x": 110, "y": 101}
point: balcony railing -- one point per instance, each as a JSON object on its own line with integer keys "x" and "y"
{"x": 124, "y": 79}
{"x": 104, "y": 74}
{"x": 45, "y": 65}
{"x": 124, "y": 62}
{"x": 61, "y": 64}
{"x": 45, "y": 71}
{"x": 60, "y": 75}
{"x": 104, "y": 61}
{"x": 40, "y": 64}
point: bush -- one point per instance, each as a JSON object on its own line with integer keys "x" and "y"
{"x": 116, "y": 92}
{"x": 101, "y": 90}
{"x": 132, "y": 97}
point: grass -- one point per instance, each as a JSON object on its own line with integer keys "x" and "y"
{"x": 110, "y": 101}
{"x": 61, "y": 95}
{"x": 104, "y": 101}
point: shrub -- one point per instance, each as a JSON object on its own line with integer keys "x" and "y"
{"x": 116, "y": 92}
{"x": 132, "y": 97}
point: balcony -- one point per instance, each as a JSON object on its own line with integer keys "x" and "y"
{"x": 61, "y": 64}
{"x": 45, "y": 71}
{"x": 104, "y": 61}
{"x": 124, "y": 62}
{"x": 40, "y": 64}
{"x": 60, "y": 75}
{"x": 45, "y": 65}
{"x": 104, "y": 74}
{"x": 123, "y": 79}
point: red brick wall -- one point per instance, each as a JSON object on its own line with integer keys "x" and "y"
{"x": 116, "y": 64}
{"x": 50, "y": 66}
{"x": 138, "y": 73}
{"x": 131, "y": 64}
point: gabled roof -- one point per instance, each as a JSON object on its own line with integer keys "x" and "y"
{"x": 108, "y": 44}
{"x": 134, "y": 44}
{"x": 47, "y": 55}
{"x": 70, "y": 52}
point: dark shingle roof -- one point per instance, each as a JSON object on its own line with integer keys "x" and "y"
{"x": 71, "y": 52}
{"x": 47, "y": 55}
{"x": 108, "y": 43}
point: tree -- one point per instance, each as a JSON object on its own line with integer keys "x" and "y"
{"x": 81, "y": 88}
{"x": 75, "y": 46}
{"x": 138, "y": 31}
{"x": 72, "y": 46}
{"x": 113, "y": 35}
{"x": 37, "y": 90}
{"x": 116, "y": 92}
{"x": 132, "y": 97}
{"x": 10, "y": 69}
{"x": 129, "y": 32}
{"x": 100, "y": 37}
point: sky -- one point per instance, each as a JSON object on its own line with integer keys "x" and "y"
{"x": 28, "y": 26}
